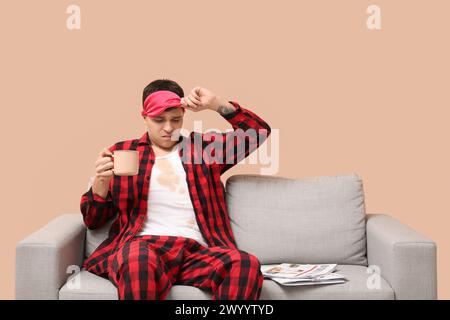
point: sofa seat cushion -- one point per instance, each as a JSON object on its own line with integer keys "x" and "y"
{"x": 98, "y": 288}
{"x": 355, "y": 288}
{"x": 93, "y": 287}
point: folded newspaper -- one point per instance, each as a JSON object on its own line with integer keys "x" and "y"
{"x": 289, "y": 274}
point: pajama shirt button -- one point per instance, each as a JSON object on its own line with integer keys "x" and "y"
{"x": 147, "y": 178}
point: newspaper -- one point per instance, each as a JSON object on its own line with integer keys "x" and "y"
{"x": 302, "y": 274}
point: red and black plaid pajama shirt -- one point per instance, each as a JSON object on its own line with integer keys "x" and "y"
{"x": 145, "y": 267}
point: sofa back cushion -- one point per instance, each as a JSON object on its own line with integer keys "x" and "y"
{"x": 309, "y": 220}
{"x": 95, "y": 237}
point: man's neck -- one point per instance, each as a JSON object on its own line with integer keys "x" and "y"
{"x": 161, "y": 150}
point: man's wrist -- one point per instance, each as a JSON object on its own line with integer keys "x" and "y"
{"x": 223, "y": 107}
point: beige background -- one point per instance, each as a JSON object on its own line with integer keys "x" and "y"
{"x": 344, "y": 98}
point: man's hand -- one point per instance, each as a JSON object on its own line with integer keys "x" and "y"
{"x": 201, "y": 99}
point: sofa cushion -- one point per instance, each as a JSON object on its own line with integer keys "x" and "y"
{"x": 308, "y": 220}
{"x": 356, "y": 288}
{"x": 93, "y": 287}
{"x": 98, "y": 288}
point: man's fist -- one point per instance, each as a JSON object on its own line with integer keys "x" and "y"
{"x": 200, "y": 99}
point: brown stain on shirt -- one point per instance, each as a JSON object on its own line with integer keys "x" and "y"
{"x": 170, "y": 180}
{"x": 167, "y": 178}
{"x": 191, "y": 223}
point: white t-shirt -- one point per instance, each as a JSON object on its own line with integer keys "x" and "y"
{"x": 170, "y": 210}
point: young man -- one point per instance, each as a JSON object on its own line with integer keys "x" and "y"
{"x": 172, "y": 224}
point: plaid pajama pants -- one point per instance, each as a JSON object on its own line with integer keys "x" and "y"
{"x": 147, "y": 266}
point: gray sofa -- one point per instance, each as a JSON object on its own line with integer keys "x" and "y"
{"x": 309, "y": 220}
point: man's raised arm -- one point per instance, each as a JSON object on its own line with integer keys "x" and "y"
{"x": 228, "y": 149}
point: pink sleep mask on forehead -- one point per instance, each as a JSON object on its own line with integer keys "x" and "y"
{"x": 158, "y": 101}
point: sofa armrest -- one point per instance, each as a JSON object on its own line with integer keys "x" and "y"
{"x": 43, "y": 257}
{"x": 406, "y": 259}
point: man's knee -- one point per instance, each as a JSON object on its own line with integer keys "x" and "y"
{"x": 244, "y": 259}
{"x": 137, "y": 261}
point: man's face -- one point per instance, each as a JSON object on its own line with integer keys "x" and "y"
{"x": 161, "y": 127}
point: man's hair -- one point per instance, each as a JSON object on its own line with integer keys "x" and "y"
{"x": 162, "y": 84}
